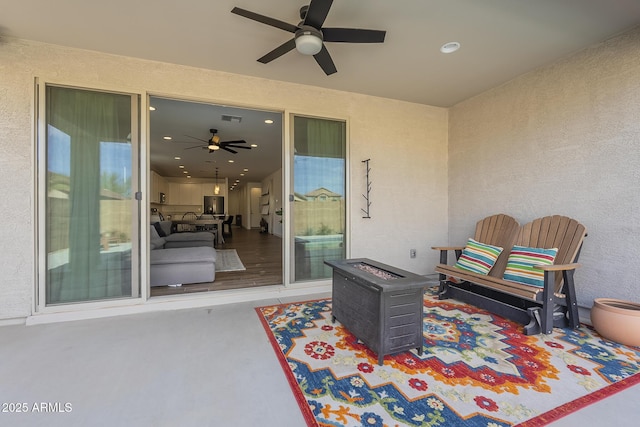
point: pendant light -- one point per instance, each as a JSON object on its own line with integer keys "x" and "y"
{"x": 216, "y": 188}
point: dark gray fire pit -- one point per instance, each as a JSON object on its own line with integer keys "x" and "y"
{"x": 381, "y": 305}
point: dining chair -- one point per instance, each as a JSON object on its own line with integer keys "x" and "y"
{"x": 227, "y": 222}
{"x": 190, "y": 216}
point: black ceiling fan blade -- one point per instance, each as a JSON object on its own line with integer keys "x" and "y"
{"x": 197, "y": 146}
{"x": 199, "y": 139}
{"x": 235, "y": 146}
{"x": 229, "y": 150}
{"x": 278, "y": 52}
{"x": 353, "y": 35}
{"x": 240, "y": 141}
{"x": 324, "y": 61}
{"x": 265, "y": 20}
{"x": 317, "y": 13}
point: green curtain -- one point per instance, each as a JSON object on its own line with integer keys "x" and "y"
{"x": 88, "y": 118}
{"x": 319, "y": 137}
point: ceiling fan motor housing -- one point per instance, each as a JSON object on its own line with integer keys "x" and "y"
{"x": 308, "y": 40}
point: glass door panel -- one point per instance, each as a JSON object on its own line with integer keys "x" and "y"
{"x": 89, "y": 195}
{"x": 319, "y": 190}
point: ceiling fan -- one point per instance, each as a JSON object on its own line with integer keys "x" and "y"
{"x": 309, "y": 35}
{"x": 214, "y": 143}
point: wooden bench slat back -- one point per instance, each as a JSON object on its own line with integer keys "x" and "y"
{"x": 555, "y": 231}
{"x": 498, "y": 230}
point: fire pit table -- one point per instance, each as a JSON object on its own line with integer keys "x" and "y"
{"x": 381, "y": 305}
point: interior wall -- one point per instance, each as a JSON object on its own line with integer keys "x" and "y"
{"x": 253, "y": 203}
{"x": 562, "y": 139}
{"x": 406, "y": 142}
{"x": 234, "y": 204}
{"x": 243, "y": 206}
{"x": 274, "y": 183}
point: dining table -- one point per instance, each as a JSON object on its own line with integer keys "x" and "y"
{"x": 205, "y": 225}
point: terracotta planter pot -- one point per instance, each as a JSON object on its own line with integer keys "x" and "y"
{"x": 617, "y": 320}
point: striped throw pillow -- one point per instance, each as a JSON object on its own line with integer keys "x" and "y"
{"x": 478, "y": 257}
{"x": 520, "y": 266}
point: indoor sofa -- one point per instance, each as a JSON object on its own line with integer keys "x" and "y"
{"x": 188, "y": 239}
{"x": 185, "y": 258}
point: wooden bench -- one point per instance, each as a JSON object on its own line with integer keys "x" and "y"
{"x": 540, "y": 309}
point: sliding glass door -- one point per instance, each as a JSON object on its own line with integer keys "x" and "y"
{"x": 319, "y": 190}
{"x": 90, "y": 211}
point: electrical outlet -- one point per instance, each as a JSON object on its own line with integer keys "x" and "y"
{"x": 412, "y": 253}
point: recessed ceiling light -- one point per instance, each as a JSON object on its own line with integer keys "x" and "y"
{"x": 185, "y": 172}
{"x": 254, "y": 145}
{"x": 230, "y": 161}
{"x": 241, "y": 174}
{"x": 450, "y": 47}
{"x": 177, "y": 158}
{"x": 181, "y": 166}
{"x": 246, "y": 169}
{"x": 166, "y": 137}
{"x": 188, "y": 176}
{"x": 268, "y": 121}
{"x": 152, "y": 108}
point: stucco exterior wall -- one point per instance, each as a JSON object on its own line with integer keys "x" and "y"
{"x": 562, "y": 139}
{"x": 406, "y": 144}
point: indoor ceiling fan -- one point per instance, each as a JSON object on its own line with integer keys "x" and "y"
{"x": 309, "y": 35}
{"x": 214, "y": 143}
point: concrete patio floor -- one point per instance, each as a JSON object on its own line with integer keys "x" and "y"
{"x": 196, "y": 367}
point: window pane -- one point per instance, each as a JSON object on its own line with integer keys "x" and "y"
{"x": 89, "y": 192}
{"x": 319, "y": 196}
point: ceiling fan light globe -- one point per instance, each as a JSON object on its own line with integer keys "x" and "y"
{"x": 308, "y": 44}
{"x": 213, "y": 147}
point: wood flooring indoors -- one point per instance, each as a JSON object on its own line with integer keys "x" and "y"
{"x": 261, "y": 255}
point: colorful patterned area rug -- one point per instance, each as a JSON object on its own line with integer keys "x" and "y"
{"x": 477, "y": 369}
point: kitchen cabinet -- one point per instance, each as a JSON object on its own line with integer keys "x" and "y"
{"x": 185, "y": 194}
{"x": 190, "y": 193}
{"x": 158, "y": 185}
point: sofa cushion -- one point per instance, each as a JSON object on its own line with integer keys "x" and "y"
{"x": 166, "y": 227}
{"x": 190, "y": 236}
{"x": 159, "y": 229}
{"x": 153, "y": 233}
{"x": 478, "y": 257}
{"x": 196, "y": 254}
{"x": 190, "y": 239}
{"x": 157, "y": 243}
{"x": 182, "y": 265}
{"x": 520, "y": 266}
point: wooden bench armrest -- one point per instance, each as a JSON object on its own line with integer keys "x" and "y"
{"x": 447, "y": 248}
{"x": 558, "y": 267}
{"x": 444, "y": 252}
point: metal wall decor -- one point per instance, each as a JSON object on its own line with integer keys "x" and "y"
{"x": 367, "y": 196}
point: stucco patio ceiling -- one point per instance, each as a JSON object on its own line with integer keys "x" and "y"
{"x": 500, "y": 39}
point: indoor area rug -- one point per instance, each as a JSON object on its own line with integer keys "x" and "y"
{"x": 228, "y": 260}
{"x": 477, "y": 369}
